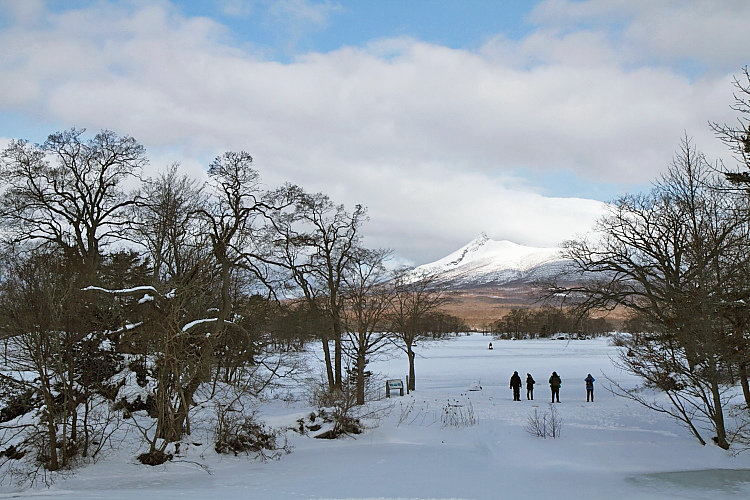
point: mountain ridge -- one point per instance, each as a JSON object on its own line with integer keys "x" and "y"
{"x": 486, "y": 262}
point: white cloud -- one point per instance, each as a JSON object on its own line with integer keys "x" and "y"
{"x": 237, "y": 8}
{"x": 711, "y": 33}
{"x": 427, "y": 137}
{"x": 28, "y": 11}
{"x": 297, "y": 18}
{"x": 444, "y": 208}
{"x": 303, "y": 11}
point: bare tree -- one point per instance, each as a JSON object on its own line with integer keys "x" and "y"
{"x": 67, "y": 192}
{"x": 235, "y": 217}
{"x": 367, "y": 300}
{"x": 737, "y": 139}
{"x": 193, "y": 318}
{"x": 40, "y": 312}
{"x": 164, "y": 222}
{"x": 417, "y": 294}
{"x": 230, "y": 216}
{"x": 33, "y": 311}
{"x": 737, "y": 136}
{"x": 666, "y": 256}
{"x": 317, "y": 243}
{"x": 64, "y": 198}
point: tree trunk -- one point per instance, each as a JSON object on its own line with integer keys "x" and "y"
{"x": 165, "y": 419}
{"x": 51, "y": 427}
{"x": 744, "y": 382}
{"x": 360, "y": 378}
{"x": 329, "y": 366}
{"x": 86, "y": 437}
{"x": 337, "y": 359}
{"x": 695, "y": 432}
{"x": 71, "y": 400}
{"x": 52, "y": 432}
{"x": 718, "y": 414}
{"x": 411, "y": 354}
{"x": 337, "y": 350}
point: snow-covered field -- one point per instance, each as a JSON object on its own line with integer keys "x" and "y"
{"x": 611, "y": 448}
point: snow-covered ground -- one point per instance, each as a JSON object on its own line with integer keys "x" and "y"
{"x": 611, "y": 448}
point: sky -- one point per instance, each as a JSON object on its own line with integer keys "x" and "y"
{"x": 445, "y": 119}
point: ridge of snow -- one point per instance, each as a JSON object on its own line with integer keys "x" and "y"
{"x": 122, "y": 291}
{"x": 198, "y": 322}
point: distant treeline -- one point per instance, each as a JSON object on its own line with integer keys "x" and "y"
{"x": 547, "y": 321}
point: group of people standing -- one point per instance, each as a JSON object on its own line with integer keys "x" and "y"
{"x": 554, "y": 383}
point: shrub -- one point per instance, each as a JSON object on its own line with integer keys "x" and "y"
{"x": 458, "y": 413}
{"x": 238, "y": 433}
{"x": 544, "y": 425}
{"x": 156, "y": 457}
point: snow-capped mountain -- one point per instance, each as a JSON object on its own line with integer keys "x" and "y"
{"x": 486, "y": 262}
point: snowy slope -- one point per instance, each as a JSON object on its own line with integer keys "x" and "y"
{"x": 485, "y": 262}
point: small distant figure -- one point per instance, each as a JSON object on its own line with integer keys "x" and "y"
{"x": 490, "y": 346}
{"x": 515, "y": 384}
{"x": 589, "y": 388}
{"x": 530, "y": 387}
{"x": 554, "y": 383}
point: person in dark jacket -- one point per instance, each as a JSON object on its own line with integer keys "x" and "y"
{"x": 515, "y": 384}
{"x": 530, "y": 386}
{"x": 554, "y": 383}
{"x": 589, "y": 388}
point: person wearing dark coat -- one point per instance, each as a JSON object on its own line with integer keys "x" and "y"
{"x": 589, "y": 388}
{"x": 515, "y": 384}
{"x": 530, "y": 386}
{"x": 554, "y": 383}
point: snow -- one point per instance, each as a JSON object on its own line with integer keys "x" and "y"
{"x": 123, "y": 291}
{"x": 612, "y": 448}
{"x": 485, "y": 261}
{"x": 501, "y": 255}
{"x": 198, "y": 322}
{"x": 146, "y": 298}
{"x": 130, "y": 390}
